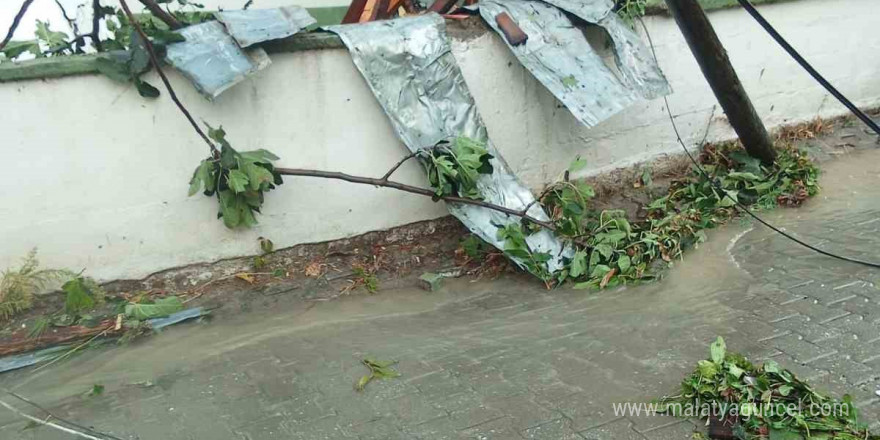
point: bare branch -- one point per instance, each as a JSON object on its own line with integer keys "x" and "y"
{"x": 161, "y": 14}
{"x": 155, "y": 60}
{"x": 398, "y": 164}
{"x": 15, "y": 22}
{"x": 70, "y": 21}
{"x": 96, "y": 25}
{"x": 410, "y": 189}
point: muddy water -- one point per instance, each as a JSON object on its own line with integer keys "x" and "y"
{"x": 638, "y": 339}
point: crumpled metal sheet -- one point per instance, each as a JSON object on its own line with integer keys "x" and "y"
{"x": 212, "y": 60}
{"x": 174, "y": 318}
{"x": 559, "y": 56}
{"x": 589, "y": 10}
{"x": 14, "y": 362}
{"x": 409, "y": 66}
{"x": 634, "y": 60}
{"x": 252, "y": 26}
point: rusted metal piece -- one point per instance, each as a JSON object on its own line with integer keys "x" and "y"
{"x": 721, "y": 429}
{"x": 442, "y": 6}
{"x": 512, "y": 32}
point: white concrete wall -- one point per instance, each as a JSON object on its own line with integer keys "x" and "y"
{"x": 96, "y": 177}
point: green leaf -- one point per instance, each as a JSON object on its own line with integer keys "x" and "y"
{"x": 362, "y": 383}
{"x": 55, "y": 40}
{"x": 266, "y": 245}
{"x": 718, "y": 349}
{"x": 785, "y": 390}
{"x": 770, "y": 366}
{"x": 201, "y": 177}
{"x": 159, "y": 309}
{"x": 15, "y": 48}
{"x": 707, "y": 369}
{"x": 578, "y": 264}
{"x": 229, "y": 209}
{"x": 260, "y": 155}
{"x": 599, "y": 271}
{"x": 734, "y": 370}
{"x": 785, "y": 434}
{"x": 577, "y": 164}
{"x": 238, "y": 181}
{"x": 743, "y": 176}
{"x": 258, "y": 176}
{"x": 78, "y": 296}
{"x": 624, "y": 263}
{"x": 569, "y": 82}
{"x": 146, "y": 89}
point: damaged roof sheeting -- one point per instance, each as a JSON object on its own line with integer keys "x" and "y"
{"x": 252, "y": 26}
{"x": 212, "y": 60}
{"x": 558, "y": 54}
{"x": 409, "y": 66}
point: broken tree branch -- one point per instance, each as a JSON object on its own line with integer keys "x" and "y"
{"x": 155, "y": 61}
{"x": 398, "y": 164}
{"x": 161, "y": 14}
{"x": 96, "y": 25}
{"x": 383, "y": 182}
{"x": 15, "y": 22}
{"x": 410, "y": 189}
{"x": 71, "y": 428}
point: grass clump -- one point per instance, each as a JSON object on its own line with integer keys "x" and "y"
{"x": 19, "y": 287}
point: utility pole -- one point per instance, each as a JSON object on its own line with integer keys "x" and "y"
{"x": 716, "y": 67}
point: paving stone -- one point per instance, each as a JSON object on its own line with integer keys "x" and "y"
{"x": 411, "y": 409}
{"x": 500, "y": 429}
{"x": 618, "y": 430}
{"x": 326, "y": 428}
{"x": 859, "y": 326}
{"x": 854, "y": 373}
{"x": 559, "y": 429}
{"x": 802, "y": 351}
{"x": 809, "y": 329}
{"x": 683, "y": 430}
{"x": 817, "y": 312}
{"x": 268, "y": 428}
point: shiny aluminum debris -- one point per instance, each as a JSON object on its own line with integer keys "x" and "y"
{"x": 559, "y": 56}
{"x": 251, "y": 26}
{"x": 409, "y": 66}
{"x": 212, "y": 60}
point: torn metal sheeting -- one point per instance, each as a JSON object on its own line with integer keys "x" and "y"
{"x": 174, "y": 318}
{"x": 212, "y": 60}
{"x": 559, "y": 56}
{"x": 591, "y": 11}
{"x": 252, "y": 26}
{"x": 636, "y": 63}
{"x": 409, "y": 66}
{"x": 14, "y": 362}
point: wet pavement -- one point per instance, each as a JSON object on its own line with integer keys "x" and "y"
{"x": 504, "y": 359}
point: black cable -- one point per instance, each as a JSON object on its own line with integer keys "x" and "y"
{"x": 724, "y": 193}
{"x": 797, "y": 57}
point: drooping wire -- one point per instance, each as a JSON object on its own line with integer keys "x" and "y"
{"x": 724, "y": 193}
{"x": 800, "y": 60}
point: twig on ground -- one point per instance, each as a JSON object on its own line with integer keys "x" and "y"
{"x": 48, "y": 423}
{"x": 72, "y": 351}
{"x": 155, "y": 61}
{"x": 15, "y": 22}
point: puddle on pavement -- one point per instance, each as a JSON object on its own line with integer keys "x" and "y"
{"x": 690, "y": 296}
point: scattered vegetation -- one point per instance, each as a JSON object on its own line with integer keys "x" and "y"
{"x": 629, "y": 10}
{"x": 378, "y": 370}
{"x": 609, "y": 249}
{"x": 19, "y": 287}
{"x": 765, "y": 401}
{"x": 125, "y": 56}
{"x": 363, "y": 276}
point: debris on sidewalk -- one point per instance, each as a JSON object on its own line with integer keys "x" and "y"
{"x": 561, "y": 58}
{"x": 251, "y": 26}
{"x": 212, "y": 60}
{"x": 431, "y": 281}
{"x": 760, "y": 401}
{"x": 409, "y": 66}
{"x": 378, "y": 370}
